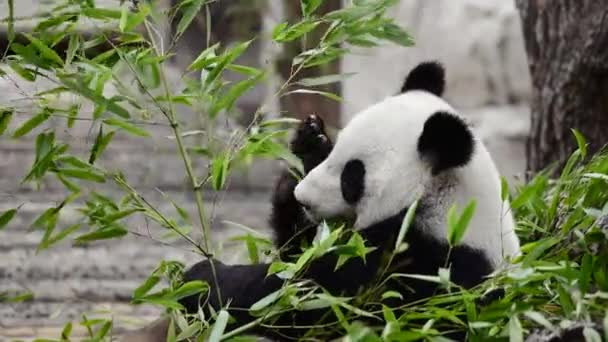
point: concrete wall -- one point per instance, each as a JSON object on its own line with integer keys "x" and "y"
{"x": 478, "y": 41}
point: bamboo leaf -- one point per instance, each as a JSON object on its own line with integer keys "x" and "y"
{"x": 124, "y": 16}
{"x": 539, "y": 248}
{"x": 44, "y": 50}
{"x": 72, "y": 115}
{"x": 103, "y": 331}
{"x": 127, "y": 127}
{"x": 226, "y": 59}
{"x": 581, "y": 142}
{"x": 295, "y": 31}
{"x": 220, "y": 325}
{"x": 120, "y": 215}
{"x": 73, "y": 46}
{"x": 47, "y": 241}
{"x": 278, "y": 29}
{"x": 188, "y": 331}
{"x": 539, "y": 318}
{"x": 191, "y": 9}
{"x": 227, "y": 101}
{"x": 32, "y": 123}
{"x": 315, "y": 92}
{"x": 6, "y": 217}
{"x": 523, "y": 197}
{"x": 252, "y": 248}
{"x": 304, "y": 258}
{"x": 585, "y": 273}
{"x": 591, "y": 335}
{"x": 100, "y": 13}
{"x": 73, "y": 161}
{"x": 267, "y": 300}
{"x": 458, "y": 226}
{"x": 219, "y": 171}
{"x": 392, "y": 294}
{"x": 171, "y": 336}
{"x": 309, "y": 6}
{"x": 144, "y": 288}
{"x": 129, "y": 21}
{"x": 85, "y": 174}
{"x": 102, "y": 234}
{"x": 46, "y": 151}
{"x": 25, "y": 73}
{"x": 81, "y": 89}
{"x": 406, "y": 224}
{"x": 281, "y": 121}
{"x": 101, "y": 142}
{"x": 21, "y": 297}
{"x": 71, "y": 186}
{"x": 395, "y": 34}
{"x": 205, "y": 58}
{"x": 6, "y": 114}
{"x": 504, "y": 188}
{"x": 188, "y": 289}
{"x": 67, "y": 331}
{"x": 516, "y": 333}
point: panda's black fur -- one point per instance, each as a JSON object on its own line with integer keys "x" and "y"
{"x": 243, "y": 285}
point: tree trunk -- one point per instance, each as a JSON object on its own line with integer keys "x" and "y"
{"x": 567, "y": 46}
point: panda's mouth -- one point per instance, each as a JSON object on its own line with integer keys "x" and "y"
{"x": 311, "y": 215}
{"x": 317, "y": 218}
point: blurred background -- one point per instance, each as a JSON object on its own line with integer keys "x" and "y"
{"x": 479, "y": 41}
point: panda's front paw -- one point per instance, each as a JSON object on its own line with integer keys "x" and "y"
{"x": 311, "y": 138}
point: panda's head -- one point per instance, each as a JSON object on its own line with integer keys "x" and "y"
{"x": 407, "y": 146}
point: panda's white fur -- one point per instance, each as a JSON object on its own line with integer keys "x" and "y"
{"x": 384, "y": 136}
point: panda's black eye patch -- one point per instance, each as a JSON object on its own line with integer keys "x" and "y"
{"x": 352, "y": 181}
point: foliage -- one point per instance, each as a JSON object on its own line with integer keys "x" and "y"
{"x": 559, "y": 281}
{"x": 562, "y": 276}
{"x": 127, "y": 90}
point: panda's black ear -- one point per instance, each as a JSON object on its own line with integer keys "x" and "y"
{"x": 446, "y": 142}
{"x": 427, "y": 76}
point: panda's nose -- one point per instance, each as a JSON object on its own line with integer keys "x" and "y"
{"x": 300, "y": 198}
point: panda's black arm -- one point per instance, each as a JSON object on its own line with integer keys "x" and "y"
{"x": 290, "y": 225}
{"x": 240, "y": 287}
{"x": 243, "y": 285}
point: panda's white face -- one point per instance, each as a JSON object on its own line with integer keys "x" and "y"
{"x": 375, "y": 168}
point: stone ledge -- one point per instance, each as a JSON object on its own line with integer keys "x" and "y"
{"x": 54, "y": 315}
{"x": 142, "y": 170}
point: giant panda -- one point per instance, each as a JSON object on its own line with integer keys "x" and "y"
{"x": 410, "y": 146}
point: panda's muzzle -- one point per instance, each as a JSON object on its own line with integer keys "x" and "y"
{"x": 304, "y": 205}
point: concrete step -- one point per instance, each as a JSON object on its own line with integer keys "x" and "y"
{"x": 107, "y": 271}
{"x": 144, "y": 167}
{"x": 46, "y": 320}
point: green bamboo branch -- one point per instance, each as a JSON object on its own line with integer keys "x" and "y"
{"x": 196, "y": 187}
